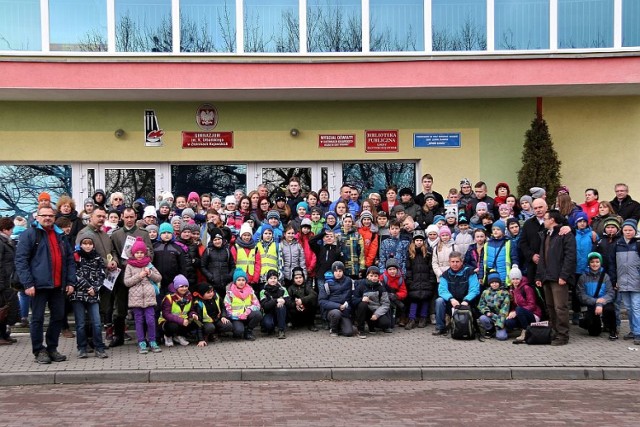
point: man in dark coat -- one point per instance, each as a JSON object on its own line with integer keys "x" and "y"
{"x": 624, "y": 205}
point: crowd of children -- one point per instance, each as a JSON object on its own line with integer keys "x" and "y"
{"x": 361, "y": 265}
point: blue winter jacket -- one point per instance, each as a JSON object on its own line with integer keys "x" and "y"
{"x": 339, "y": 292}
{"x": 584, "y": 245}
{"x": 499, "y": 255}
{"x": 33, "y": 259}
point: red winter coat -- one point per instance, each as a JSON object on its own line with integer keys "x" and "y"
{"x": 309, "y": 255}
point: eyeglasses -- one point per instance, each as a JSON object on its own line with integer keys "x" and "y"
{"x": 46, "y": 216}
{"x": 117, "y": 198}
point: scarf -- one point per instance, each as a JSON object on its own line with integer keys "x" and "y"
{"x": 241, "y": 293}
{"x": 139, "y": 263}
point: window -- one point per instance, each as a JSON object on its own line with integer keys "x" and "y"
{"x": 396, "y": 25}
{"x": 334, "y": 26}
{"x": 630, "y": 20}
{"x": 271, "y": 26}
{"x": 20, "y": 25}
{"x": 521, "y": 24}
{"x": 143, "y": 26}
{"x": 207, "y": 26}
{"x": 459, "y": 25}
{"x": 21, "y": 185}
{"x": 376, "y": 177}
{"x": 78, "y": 25}
{"x": 217, "y": 180}
{"x": 585, "y": 24}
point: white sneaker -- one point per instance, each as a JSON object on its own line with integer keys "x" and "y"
{"x": 168, "y": 341}
{"x": 181, "y": 340}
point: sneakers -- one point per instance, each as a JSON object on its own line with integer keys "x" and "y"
{"x": 155, "y": 348}
{"x": 332, "y": 333}
{"x": 559, "y": 341}
{"x": 168, "y": 341}
{"x": 422, "y": 323}
{"x": 388, "y": 331}
{"x": 613, "y": 336}
{"x": 82, "y": 354}
{"x": 439, "y": 332}
{"x": 362, "y": 335}
{"x": 57, "y": 357}
{"x": 520, "y": 338}
{"x": 249, "y": 336}
{"x": 43, "y": 357}
{"x": 281, "y": 335}
{"x": 101, "y": 354}
{"x": 181, "y": 340}
{"x": 410, "y": 324}
{"x": 24, "y": 322}
{"x": 629, "y": 336}
{"x": 142, "y": 348}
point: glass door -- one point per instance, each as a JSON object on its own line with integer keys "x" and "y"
{"x": 313, "y": 176}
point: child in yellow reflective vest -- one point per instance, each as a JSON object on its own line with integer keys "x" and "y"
{"x": 243, "y": 307}
{"x": 175, "y": 320}
{"x": 209, "y": 314}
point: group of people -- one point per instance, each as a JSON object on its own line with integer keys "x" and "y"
{"x": 196, "y": 267}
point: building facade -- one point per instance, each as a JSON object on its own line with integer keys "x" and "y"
{"x": 148, "y": 96}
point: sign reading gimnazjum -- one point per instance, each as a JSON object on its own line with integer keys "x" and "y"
{"x": 436, "y": 140}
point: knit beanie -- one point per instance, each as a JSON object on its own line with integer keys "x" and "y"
{"x": 165, "y": 227}
{"x": 192, "y": 226}
{"x": 297, "y": 271}
{"x": 273, "y": 214}
{"x": 305, "y": 223}
{"x": 418, "y": 234}
{"x": 337, "y": 265}
{"x": 230, "y": 200}
{"x": 499, "y": 224}
{"x": 245, "y": 228}
{"x": 366, "y": 214}
{"x": 581, "y": 216}
{"x": 189, "y": 212}
{"x": 432, "y": 229}
{"x": 439, "y": 218}
{"x": 149, "y": 211}
{"x": 138, "y": 245}
{"x": 266, "y": 227}
{"x": 89, "y": 201}
{"x": 450, "y": 214}
{"x": 392, "y": 263}
{"x": 176, "y": 218}
{"x": 373, "y": 270}
{"x": 330, "y": 213}
{"x": 215, "y": 232}
{"x": 444, "y": 230}
{"x": 493, "y": 276}
{"x": 152, "y": 227}
{"x": 612, "y": 221}
{"x": 238, "y": 273}
{"x": 515, "y": 272}
{"x": 178, "y": 281}
{"x": 537, "y": 192}
{"x": 164, "y": 203}
{"x": 167, "y": 195}
{"x": 271, "y": 273}
{"x": 304, "y": 205}
{"x": 193, "y": 196}
{"x": 481, "y": 205}
{"x": 630, "y": 223}
{"x": 504, "y": 206}
{"x": 593, "y": 255}
{"x": 526, "y": 198}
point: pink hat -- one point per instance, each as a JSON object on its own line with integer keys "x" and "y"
{"x": 444, "y": 230}
{"x": 193, "y": 196}
{"x": 139, "y": 246}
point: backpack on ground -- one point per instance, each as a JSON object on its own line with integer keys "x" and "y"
{"x": 462, "y": 325}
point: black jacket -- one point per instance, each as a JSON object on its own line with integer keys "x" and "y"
{"x": 627, "y": 208}
{"x": 421, "y": 280}
{"x": 559, "y": 262}
{"x": 7, "y": 257}
{"x": 269, "y": 297}
{"x": 217, "y": 265}
{"x": 326, "y": 255}
{"x": 170, "y": 259}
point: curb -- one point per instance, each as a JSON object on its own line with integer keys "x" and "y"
{"x": 320, "y": 374}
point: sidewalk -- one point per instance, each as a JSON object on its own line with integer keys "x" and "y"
{"x": 304, "y": 355}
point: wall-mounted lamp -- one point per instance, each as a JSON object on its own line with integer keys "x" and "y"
{"x": 119, "y": 133}
{"x": 294, "y": 132}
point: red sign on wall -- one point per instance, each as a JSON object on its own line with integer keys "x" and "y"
{"x": 381, "y": 141}
{"x": 336, "y": 140}
{"x": 207, "y": 139}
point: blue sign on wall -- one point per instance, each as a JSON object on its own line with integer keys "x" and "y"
{"x": 436, "y": 140}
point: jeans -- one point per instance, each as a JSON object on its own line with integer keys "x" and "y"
{"x": 93, "y": 310}
{"x": 277, "y": 317}
{"x": 631, "y": 301}
{"x": 441, "y": 312}
{"x": 25, "y": 303}
{"x": 54, "y": 298}
{"x": 523, "y": 319}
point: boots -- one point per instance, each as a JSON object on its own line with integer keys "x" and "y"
{"x": 520, "y": 339}
{"x": 410, "y": 324}
{"x": 422, "y": 323}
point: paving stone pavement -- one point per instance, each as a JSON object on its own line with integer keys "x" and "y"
{"x": 326, "y": 403}
{"x": 404, "y": 354}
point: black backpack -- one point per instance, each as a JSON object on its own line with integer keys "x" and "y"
{"x": 462, "y": 327}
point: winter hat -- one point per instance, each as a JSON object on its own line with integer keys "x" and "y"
{"x": 229, "y": 200}
{"x": 337, "y": 265}
{"x": 246, "y": 228}
{"x": 463, "y": 220}
{"x": 515, "y": 272}
{"x": 89, "y": 201}
{"x": 612, "y": 221}
{"x": 304, "y": 205}
{"x": 149, "y": 211}
{"x": 203, "y": 287}
{"x": 504, "y": 206}
{"x": 189, "y": 212}
{"x": 19, "y": 221}
{"x": 271, "y": 273}
{"x": 581, "y": 216}
{"x": 178, "y": 281}
{"x": 397, "y": 208}
{"x": 215, "y": 232}
{"x": 238, "y": 273}
{"x": 305, "y": 223}
{"x": 526, "y": 198}
{"x": 593, "y": 255}
{"x": 373, "y": 270}
{"x": 432, "y": 229}
{"x": 191, "y": 226}
{"x": 167, "y": 195}
{"x": 429, "y": 196}
{"x": 502, "y": 184}
{"x": 465, "y": 181}
{"x": 152, "y": 227}
{"x": 328, "y": 276}
{"x": 316, "y": 209}
{"x": 563, "y": 189}
{"x": 165, "y": 227}
{"x": 499, "y": 224}
{"x": 631, "y": 223}
{"x": 176, "y": 218}
{"x": 449, "y": 214}
{"x": 392, "y": 263}
{"x": 406, "y": 191}
{"x": 366, "y": 214}
{"x": 138, "y": 245}
{"x": 537, "y": 192}
{"x": 265, "y": 227}
{"x": 438, "y": 218}
{"x": 418, "y": 234}
{"x": 347, "y": 215}
{"x": 444, "y": 230}
{"x": 382, "y": 214}
{"x": 164, "y": 203}
{"x": 297, "y": 271}
{"x": 493, "y": 276}
{"x": 482, "y": 205}
{"x": 330, "y": 213}
{"x": 280, "y": 195}
{"x": 273, "y": 214}
{"x": 193, "y": 196}
{"x": 44, "y": 196}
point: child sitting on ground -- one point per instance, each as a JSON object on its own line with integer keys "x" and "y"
{"x": 272, "y": 300}
{"x": 494, "y": 305}
{"x": 176, "y": 321}
{"x": 303, "y": 301}
{"x": 208, "y": 310}
{"x": 597, "y": 295}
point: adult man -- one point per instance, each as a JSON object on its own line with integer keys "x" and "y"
{"x": 591, "y": 203}
{"x": 129, "y": 231}
{"x": 45, "y": 265}
{"x": 295, "y": 195}
{"x": 458, "y": 286}
{"x": 466, "y": 195}
{"x": 530, "y": 238}
{"x": 104, "y": 247}
{"x": 481, "y": 196}
{"x": 427, "y": 187}
{"x": 624, "y": 205}
{"x": 556, "y": 266}
{"x": 263, "y": 191}
{"x": 345, "y": 196}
